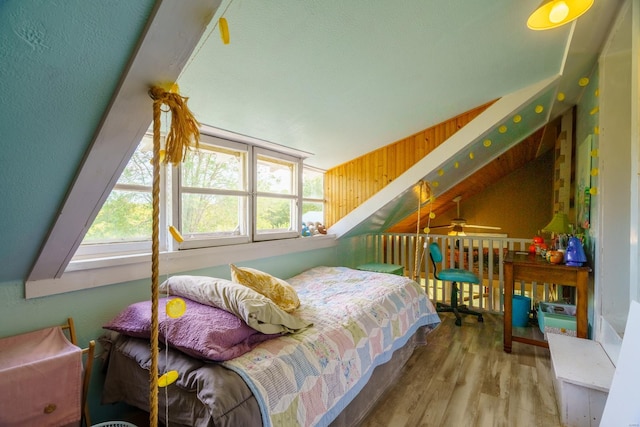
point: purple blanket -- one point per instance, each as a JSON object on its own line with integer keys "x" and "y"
{"x": 202, "y": 331}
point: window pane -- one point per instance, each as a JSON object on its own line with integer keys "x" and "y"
{"x": 312, "y": 213}
{"x": 139, "y": 170}
{"x": 275, "y": 175}
{"x": 274, "y": 214}
{"x": 125, "y": 216}
{"x": 215, "y": 168}
{"x": 312, "y": 184}
{"x": 212, "y": 214}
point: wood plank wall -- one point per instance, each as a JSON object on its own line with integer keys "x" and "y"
{"x": 348, "y": 185}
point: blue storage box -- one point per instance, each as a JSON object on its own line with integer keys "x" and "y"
{"x": 557, "y": 318}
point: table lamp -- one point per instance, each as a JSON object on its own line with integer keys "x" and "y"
{"x": 559, "y": 225}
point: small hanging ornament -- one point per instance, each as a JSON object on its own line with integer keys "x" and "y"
{"x": 168, "y": 378}
{"x": 224, "y": 30}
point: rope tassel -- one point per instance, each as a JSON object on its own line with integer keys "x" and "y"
{"x": 184, "y": 131}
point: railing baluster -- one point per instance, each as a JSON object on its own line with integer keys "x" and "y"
{"x": 469, "y": 251}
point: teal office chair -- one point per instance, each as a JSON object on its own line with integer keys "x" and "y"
{"x": 454, "y": 275}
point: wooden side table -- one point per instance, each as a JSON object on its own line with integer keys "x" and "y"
{"x": 532, "y": 268}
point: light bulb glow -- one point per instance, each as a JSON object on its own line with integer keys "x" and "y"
{"x": 559, "y": 11}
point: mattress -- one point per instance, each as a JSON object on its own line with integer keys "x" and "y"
{"x": 361, "y": 320}
{"x": 213, "y": 396}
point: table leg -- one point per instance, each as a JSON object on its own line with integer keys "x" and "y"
{"x": 508, "y": 294}
{"x": 581, "y": 304}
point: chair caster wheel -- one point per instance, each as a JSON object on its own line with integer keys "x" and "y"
{"x": 458, "y": 322}
{"x": 480, "y": 319}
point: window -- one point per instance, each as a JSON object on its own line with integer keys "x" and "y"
{"x": 123, "y": 224}
{"x": 313, "y": 197}
{"x": 277, "y": 195}
{"x": 212, "y": 190}
{"x": 226, "y": 192}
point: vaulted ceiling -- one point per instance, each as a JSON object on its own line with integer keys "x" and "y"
{"x": 338, "y": 79}
{"x": 333, "y": 78}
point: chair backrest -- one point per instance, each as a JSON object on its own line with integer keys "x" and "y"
{"x": 434, "y": 252}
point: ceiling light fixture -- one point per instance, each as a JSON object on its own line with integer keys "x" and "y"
{"x": 554, "y": 13}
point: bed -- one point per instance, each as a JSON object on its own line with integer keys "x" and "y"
{"x": 355, "y": 331}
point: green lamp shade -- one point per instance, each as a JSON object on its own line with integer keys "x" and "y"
{"x": 559, "y": 224}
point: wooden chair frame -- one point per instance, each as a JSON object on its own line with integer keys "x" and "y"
{"x": 89, "y": 352}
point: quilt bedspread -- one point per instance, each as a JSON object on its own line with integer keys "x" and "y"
{"x": 359, "y": 319}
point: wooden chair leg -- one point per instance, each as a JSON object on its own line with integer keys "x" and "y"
{"x": 88, "y": 366}
{"x": 85, "y": 382}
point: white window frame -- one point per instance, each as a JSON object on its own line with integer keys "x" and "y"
{"x": 312, "y": 199}
{"x": 203, "y": 240}
{"x": 170, "y": 207}
{"x": 109, "y": 249}
{"x": 296, "y": 197}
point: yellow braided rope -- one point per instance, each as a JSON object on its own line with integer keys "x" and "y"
{"x": 414, "y": 275}
{"x": 419, "y": 250}
{"x": 184, "y": 130}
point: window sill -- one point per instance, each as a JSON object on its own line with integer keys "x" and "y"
{"x": 87, "y": 274}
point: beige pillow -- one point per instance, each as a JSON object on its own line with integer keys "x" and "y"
{"x": 277, "y": 290}
{"x": 258, "y": 311}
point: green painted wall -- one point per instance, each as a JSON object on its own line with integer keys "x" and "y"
{"x": 60, "y": 64}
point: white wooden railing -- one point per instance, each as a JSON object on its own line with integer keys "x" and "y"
{"x": 457, "y": 252}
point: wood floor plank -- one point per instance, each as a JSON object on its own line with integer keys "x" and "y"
{"x": 462, "y": 377}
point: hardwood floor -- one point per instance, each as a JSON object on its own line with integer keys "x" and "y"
{"x": 462, "y": 377}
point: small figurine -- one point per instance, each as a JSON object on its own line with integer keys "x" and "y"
{"x": 575, "y": 255}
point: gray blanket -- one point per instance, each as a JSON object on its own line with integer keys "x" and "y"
{"x": 205, "y": 395}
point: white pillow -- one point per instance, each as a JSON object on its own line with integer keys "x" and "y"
{"x": 258, "y": 311}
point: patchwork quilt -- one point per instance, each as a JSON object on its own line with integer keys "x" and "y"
{"x": 359, "y": 318}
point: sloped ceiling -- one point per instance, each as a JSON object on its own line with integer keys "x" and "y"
{"x": 332, "y": 78}
{"x": 499, "y": 128}
{"x": 338, "y": 79}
